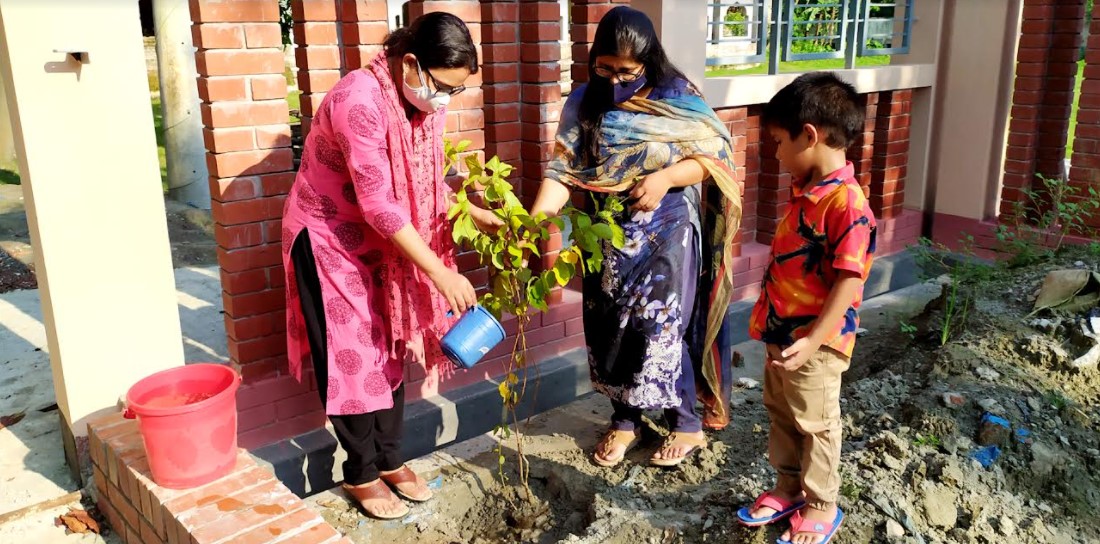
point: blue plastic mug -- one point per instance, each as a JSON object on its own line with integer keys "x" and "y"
{"x": 475, "y": 333}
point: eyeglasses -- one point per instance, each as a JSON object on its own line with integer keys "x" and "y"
{"x": 442, "y": 88}
{"x": 624, "y": 77}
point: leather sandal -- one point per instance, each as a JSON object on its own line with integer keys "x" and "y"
{"x": 404, "y": 475}
{"x": 376, "y": 490}
{"x": 675, "y": 438}
{"x": 613, "y": 438}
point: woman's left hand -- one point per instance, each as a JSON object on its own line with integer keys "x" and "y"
{"x": 650, "y": 191}
{"x": 485, "y": 220}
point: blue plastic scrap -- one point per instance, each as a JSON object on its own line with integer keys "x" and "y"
{"x": 995, "y": 420}
{"x": 986, "y": 456}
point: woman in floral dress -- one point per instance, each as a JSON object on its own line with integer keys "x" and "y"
{"x": 652, "y": 317}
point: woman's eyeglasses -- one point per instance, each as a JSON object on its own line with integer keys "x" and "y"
{"x": 624, "y": 77}
{"x": 441, "y": 88}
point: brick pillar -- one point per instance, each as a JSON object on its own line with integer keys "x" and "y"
{"x": 753, "y": 135}
{"x": 1085, "y": 170}
{"x": 775, "y": 192}
{"x": 244, "y": 112}
{"x": 1045, "y": 74}
{"x": 891, "y": 153}
{"x": 363, "y": 29}
{"x": 586, "y": 15}
{"x": 862, "y": 151}
{"x": 737, "y": 122}
{"x": 503, "y": 132}
{"x": 317, "y": 36}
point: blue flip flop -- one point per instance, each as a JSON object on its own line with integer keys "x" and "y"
{"x": 782, "y": 510}
{"x": 800, "y": 524}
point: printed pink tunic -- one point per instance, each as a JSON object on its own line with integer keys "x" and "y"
{"x": 366, "y": 172}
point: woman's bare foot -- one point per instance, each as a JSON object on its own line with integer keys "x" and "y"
{"x": 677, "y": 446}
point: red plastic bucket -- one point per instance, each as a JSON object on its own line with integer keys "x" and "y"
{"x": 188, "y": 421}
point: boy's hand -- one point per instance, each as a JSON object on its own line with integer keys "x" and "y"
{"x": 797, "y": 354}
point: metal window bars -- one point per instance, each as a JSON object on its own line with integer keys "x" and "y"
{"x": 751, "y": 31}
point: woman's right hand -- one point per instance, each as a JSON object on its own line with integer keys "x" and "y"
{"x": 458, "y": 290}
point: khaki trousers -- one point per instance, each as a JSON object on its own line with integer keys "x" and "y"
{"x": 805, "y": 435}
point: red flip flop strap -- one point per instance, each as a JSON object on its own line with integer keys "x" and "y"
{"x": 771, "y": 501}
{"x": 797, "y": 523}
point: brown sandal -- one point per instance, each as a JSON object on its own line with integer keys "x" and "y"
{"x": 376, "y": 490}
{"x": 404, "y": 475}
{"x": 613, "y": 438}
{"x": 677, "y": 439}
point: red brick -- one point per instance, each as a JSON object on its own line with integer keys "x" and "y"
{"x": 260, "y": 393}
{"x": 247, "y": 351}
{"x": 502, "y": 113}
{"x": 539, "y": 32}
{"x": 272, "y": 136}
{"x": 317, "y": 81}
{"x": 364, "y": 10}
{"x": 247, "y": 258}
{"x": 263, "y": 35}
{"x": 247, "y": 211}
{"x": 543, "y": 94}
{"x": 366, "y": 33}
{"x": 222, "y": 140}
{"x": 501, "y": 33}
{"x": 471, "y": 119}
{"x": 234, "y": 11}
{"x": 243, "y": 163}
{"x": 540, "y": 52}
{"x": 467, "y": 10}
{"x": 269, "y": 87}
{"x": 217, "y": 89}
{"x": 540, "y": 73}
{"x": 540, "y": 11}
{"x": 470, "y": 100}
{"x": 244, "y": 114}
{"x": 591, "y": 13}
{"x": 254, "y": 303}
{"x": 500, "y": 53}
{"x": 500, "y": 73}
{"x": 122, "y": 503}
{"x": 277, "y": 184}
{"x": 318, "y": 57}
{"x": 314, "y": 10}
{"x": 219, "y": 62}
{"x": 502, "y": 94}
{"x": 316, "y": 33}
{"x": 292, "y": 407}
{"x": 217, "y": 36}
{"x": 247, "y": 281}
{"x": 504, "y": 132}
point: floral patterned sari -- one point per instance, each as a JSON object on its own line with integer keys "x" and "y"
{"x": 638, "y": 324}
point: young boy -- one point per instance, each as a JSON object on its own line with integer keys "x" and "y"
{"x": 806, "y": 314}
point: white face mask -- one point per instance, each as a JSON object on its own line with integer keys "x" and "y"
{"x": 422, "y": 98}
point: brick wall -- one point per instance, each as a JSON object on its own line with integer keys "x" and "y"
{"x": 1085, "y": 170}
{"x": 1045, "y": 73}
{"x": 248, "y": 506}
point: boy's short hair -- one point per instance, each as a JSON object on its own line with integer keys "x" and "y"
{"x": 822, "y": 100}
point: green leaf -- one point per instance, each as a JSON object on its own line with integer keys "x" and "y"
{"x": 569, "y": 256}
{"x": 618, "y": 237}
{"x": 563, "y": 272}
{"x": 583, "y": 221}
{"x": 603, "y": 231}
{"x": 462, "y": 206}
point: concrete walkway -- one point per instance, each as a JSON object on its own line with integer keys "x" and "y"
{"x": 32, "y": 459}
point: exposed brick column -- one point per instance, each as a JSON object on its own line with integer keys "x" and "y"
{"x": 862, "y": 151}
{"x": 317, "y": 35}
{"x": 363, "y": 29}
{"x": 244, "y": 112}
{"x": 540, "y": 92}
{"x": 503, "y": 132}
{"x": 891, "y": 153}
{"x": 1041, "y": 102}
{"x": 775, "y": 192}
{"x": 751, "y": 169}
{"x": 1085, "y": 170}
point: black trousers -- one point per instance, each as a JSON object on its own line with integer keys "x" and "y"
{"x": 372, "y": 440}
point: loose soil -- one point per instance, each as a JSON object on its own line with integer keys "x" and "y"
{"x": 908, "y": 475}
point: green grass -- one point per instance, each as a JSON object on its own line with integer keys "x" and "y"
{"x": 158, "y": 124}
{"x": 9, "y": 174}
{"x": 1073, "y": 111}
{"x": 800, "y": 66}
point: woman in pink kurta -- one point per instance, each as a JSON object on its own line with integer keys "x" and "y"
{"x": 367, "y": 248}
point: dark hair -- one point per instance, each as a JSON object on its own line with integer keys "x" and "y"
{"x": 623, "y": 32}
{"x": 438, "y": 39}
{"x": 820, "y": 99}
